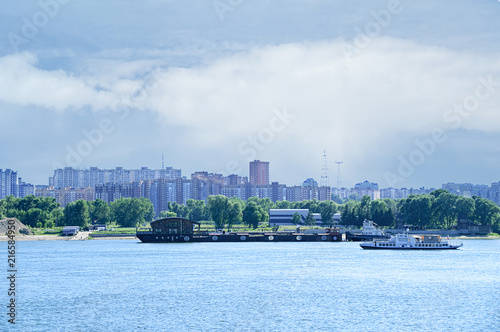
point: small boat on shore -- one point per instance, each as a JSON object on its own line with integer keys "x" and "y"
{"x": 370, "y": 232}
{"x": 406, "y": 241}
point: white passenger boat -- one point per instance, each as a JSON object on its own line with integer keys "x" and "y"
{"x": 406, "y": 241}
{"x": 370, "y": 233}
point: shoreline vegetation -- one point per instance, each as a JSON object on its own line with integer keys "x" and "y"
{"x": 43, "y": 218}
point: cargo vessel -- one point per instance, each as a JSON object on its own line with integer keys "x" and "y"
{"x": 179, "y": 230}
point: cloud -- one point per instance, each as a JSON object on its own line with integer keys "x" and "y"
{"x": 381, "y": 99}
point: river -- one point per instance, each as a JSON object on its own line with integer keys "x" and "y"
{"x": 127, "y": 285}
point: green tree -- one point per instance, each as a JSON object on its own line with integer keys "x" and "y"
{"x": 354, "y": 197}
{"x": 179, "y": 209}
{"x": 486, "y": 212}
{"x": 337, "y": 199}
{"x": 327, "y": 210}
{"x": 49, "y": 224}
{"x": 58, "y": 216}
{"x": 99, "y": 212}
{"x": 349, "y": 213}
{"x": 254, "y": 214}
{"x": 283, "y": 205}
{"x": 423, "y": 206}
{"x": 436, "y": 193}
{"x": 444, "y": 209}
{"x": 39, "y": 225}
{"x": 198, "y": 210}
{"x": 3, "y": 209}
{"x": 310, "y": 219}
{"x": 378, "y": 209}
{"x": 388, "y": 219}
{"x": 218, "y": 207}
{"x": 296, "y": 219}
{"x": 364, "y": 208}
{"x": 465, "y": 207}
{"x": 77, "y": 214}
{"x": 234, "y": 214}
{"x": 30, "y": 209}
{"x": 33, "y": 216}
{"x": 129, "y": 212}
{"x": 311, "y": 205}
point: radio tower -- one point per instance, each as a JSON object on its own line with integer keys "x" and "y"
{"x": 324, "y": 172}
{"x": 338, "y": 173}
{"x": 162, "y": 161}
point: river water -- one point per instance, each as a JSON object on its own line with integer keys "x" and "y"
{"x": 127, "y": 285}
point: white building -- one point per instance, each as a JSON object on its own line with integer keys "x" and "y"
{"x": 283, "y": 217}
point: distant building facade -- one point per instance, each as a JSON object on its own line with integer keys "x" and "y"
{"x": 283, "y": 217}
{"x": 66, "y": 195}
{"x": 81, "y": 178}
{"x": 259, "y": 172}
{"x": 8, "y": 183}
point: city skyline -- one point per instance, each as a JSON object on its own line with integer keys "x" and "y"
{"x": 167, "y": 185}
{"x": 119, "y": 174}
{"x": 404, "y": 93}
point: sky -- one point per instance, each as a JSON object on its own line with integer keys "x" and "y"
{"x": 404, "y": 93}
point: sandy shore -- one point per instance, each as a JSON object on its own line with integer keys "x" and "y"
{"x": 115, "y": 238}
{"x": 36, "y": 238}
{"x": 57, "y": 238}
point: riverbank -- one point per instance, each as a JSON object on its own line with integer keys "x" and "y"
{"x": 36, "y": 238}
{"x": 63, "y": 238}
{"x": 476, "y": 237}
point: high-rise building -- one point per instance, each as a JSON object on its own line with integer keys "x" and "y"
{"x": 259, "y": 172}
{"x": 495, "y": 192}
{"x": 8, "y": 183}
{"x": 25, "y": 189}
{"x": 81, "y": 178}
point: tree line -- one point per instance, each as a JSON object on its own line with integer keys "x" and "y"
{"x": 439, "y": 209}
{"x": 46, "y": 212}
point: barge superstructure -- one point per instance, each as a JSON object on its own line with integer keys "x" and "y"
{"x": 179, "y": 230}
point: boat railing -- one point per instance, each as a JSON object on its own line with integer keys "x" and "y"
{"x": 144, "y": 231}
{"x": 201, "y": 233}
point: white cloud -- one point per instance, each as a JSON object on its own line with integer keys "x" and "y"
{"x": 393, "y": 89}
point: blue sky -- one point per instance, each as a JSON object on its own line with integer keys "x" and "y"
{"x": 406, "y": 93}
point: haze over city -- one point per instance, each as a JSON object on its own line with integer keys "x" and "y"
{"x": 405, "y": 93}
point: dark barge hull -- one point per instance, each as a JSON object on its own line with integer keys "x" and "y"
{"x": 148, "y": 237}
{"x": 364, "y": 238}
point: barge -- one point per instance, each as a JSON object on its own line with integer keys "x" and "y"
{"x": 180, "y": 230}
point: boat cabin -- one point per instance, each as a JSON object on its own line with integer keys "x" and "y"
{"x": 173, "y": 225}
{"x": 71, "y": 230}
